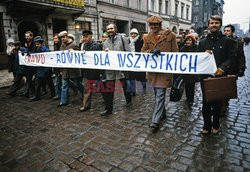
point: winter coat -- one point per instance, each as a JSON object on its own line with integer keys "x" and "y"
{"x": 239, "y": 62}
{"x": 70, "y": 72}
{"x": 222, "y": 47}
{"x": 139, "y": 76}
{"x": 19, "y": 69}
{"x": 166, "y": 43}
{"x": 189, "y": 78}
{"x": 42, "y": 72}
{"x": 118, "y": 43}
{"x": 92, "y": 74}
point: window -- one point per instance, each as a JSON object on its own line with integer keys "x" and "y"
{"x": 112, "y": 1}
{"x": 187, "y": 12}
{"x": 127, "y": 3}
{"x": 182, "y": 9}
{"x": 176, "y": 8}
{"x": 152, "y": 5}
{"x": 160, "y": 5}
{"x": 139, "y": 4}
{"x": 197, "y": 2}
{"x": 205, "y": 17}
{"x": 195, "y": 19}
{"x": 166, "y": 7}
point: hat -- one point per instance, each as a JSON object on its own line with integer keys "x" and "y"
{"x": 71, "y": 36}
{"x": 38, "y": 39}
{"x": 86, "y": 32}
{"x": 63, "y": 33}
{"x": 190, "y": 36}
{"x": 10, "y": 40}
{"x": 17, "y": 43}
{"x": 134, "y": 30}
{"x": 155, "y": 19}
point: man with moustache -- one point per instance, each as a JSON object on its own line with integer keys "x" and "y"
{"x": 156, "y": 41}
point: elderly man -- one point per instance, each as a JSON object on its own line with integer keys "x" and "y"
{"x": 68, "y": 74}
{"x": 89, "y": 75}
{"x": 115, "y": 42}
{"x": 157, "y": 41}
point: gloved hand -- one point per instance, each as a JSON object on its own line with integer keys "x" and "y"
{"x": 241, "y": 72}
{"x": 219, "y": 72}
{"x": 156, "y": 52}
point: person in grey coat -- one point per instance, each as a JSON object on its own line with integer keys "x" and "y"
{"x": 68, "y": 74}
{"x": 115, "y": 42}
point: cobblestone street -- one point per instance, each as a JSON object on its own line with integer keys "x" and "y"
{"x": 38, "y": 136}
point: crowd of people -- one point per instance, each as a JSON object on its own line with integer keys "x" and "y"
{"x": 226, "y": 47}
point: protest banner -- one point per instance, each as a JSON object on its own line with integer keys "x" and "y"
{"x": 166, "y": 62}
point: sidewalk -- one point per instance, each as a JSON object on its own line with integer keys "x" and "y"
{"x": 5, "y": 78}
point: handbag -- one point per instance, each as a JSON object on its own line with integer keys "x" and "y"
{"x": 177, "y": 89}
{"x": 221, "y": 88}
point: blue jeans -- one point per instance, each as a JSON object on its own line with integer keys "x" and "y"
{"x": 65, "y": 89}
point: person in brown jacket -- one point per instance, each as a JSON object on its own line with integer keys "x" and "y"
{"x": 157, "y": 41}
{"x": 68, "y": 74}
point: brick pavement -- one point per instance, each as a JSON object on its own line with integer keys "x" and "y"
{"x": 37, "y": 136}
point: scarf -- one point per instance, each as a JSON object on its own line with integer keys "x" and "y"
{"x": 132, "y": 43}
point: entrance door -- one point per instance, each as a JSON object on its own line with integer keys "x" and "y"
{"x": 27, "y": 26}
{"x": 2, "y": 42}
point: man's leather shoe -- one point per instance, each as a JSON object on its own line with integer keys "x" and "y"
{"x": 24, "y": 94}
{"x": 61, "y": 105}
{"x": 106, "y": 113}
{"x": 128, "y": 104}
{"x": 154, "y": 127}
{"x": 55, "y": 98}
{"x": 83, "y": 109}
{"x": 34, "y": 99}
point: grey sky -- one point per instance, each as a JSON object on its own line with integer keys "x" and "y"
{"x": 237, "y": 12}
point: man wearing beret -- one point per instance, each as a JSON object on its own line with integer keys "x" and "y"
{"x": 68, "y": 74}
{"x": 224, "y": 53}
{"x": 157, "y": 41}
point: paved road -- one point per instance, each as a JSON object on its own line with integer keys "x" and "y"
{"x": 37, "y": 136}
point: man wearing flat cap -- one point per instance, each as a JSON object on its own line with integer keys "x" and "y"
{"x": 43, "y": 74}
{"x": 68, "y": 74}
{"x": 155, "y": 42}
{"x": 89, "y": 75}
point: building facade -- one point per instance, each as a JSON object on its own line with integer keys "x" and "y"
{"x": 202, "y": 10}
{"x": 126, "y": 14}
{"x": 175, "y": 13}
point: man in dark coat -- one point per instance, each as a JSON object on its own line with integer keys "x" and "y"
{"x": 89, "y": 75}
{"x": 19, "y": 69}
{"x": 239, "y": 65}
{"x": 29, "y": 70}
{"x": 43, "y": 74}
{"x": 68, "y": 74}
{"x": 223, "y": 49}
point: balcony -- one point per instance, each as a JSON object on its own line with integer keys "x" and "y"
{"x": 45, "y": 7}
{"x": 75, "y": 5}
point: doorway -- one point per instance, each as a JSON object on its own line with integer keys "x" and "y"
{"x": 27, "y": 26}
{"x": 59, "y": 25}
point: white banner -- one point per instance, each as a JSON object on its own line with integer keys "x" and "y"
{"x": 167, "y": 62}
